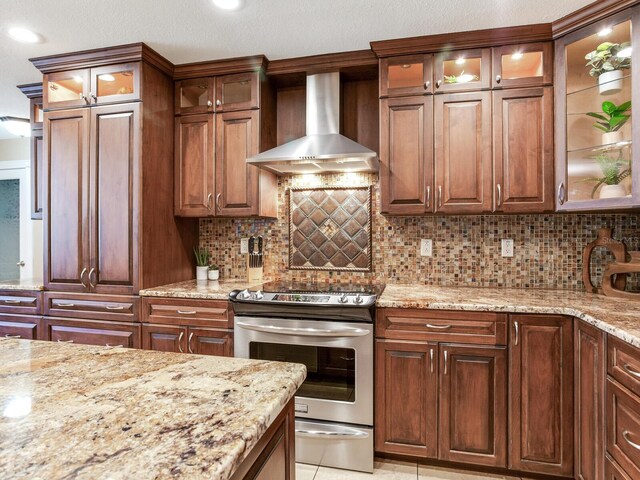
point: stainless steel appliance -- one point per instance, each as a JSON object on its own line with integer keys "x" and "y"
{"x": 329, "y": 328}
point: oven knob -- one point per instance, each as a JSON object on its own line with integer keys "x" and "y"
{"x": 258, "y": 295}
{"x": 343, "y": 298}
{"x": 358, "y": 299}
{"x": 243, "y": 295}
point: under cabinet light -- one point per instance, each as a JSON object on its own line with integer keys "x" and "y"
{"x": 461, "y": 61}
{"x": 605, "y": 31}
{"x": 106, "y": 77}
{"x": 517, "y": 56}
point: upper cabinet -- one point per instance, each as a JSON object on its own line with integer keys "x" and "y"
{"x": 522, "y": 65}
{"x": 92, "y": 86}
{"x": 463, "y": 70}
{"x": 194, "y": 96}
{"x": 238, "y": 92}
{"x": 406, "y": 75}
{"x": 596, "y": 84}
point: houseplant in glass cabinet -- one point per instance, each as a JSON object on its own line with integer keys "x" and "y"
{"x": 597, "y": 88}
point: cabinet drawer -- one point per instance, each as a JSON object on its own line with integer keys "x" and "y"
{"x": 91, "y": 306}
{"x": 623, "y": 428}
{"x": 20, "y": 302}
{"x": 623, "y": 363}
{"x": 612, "y": 471}
{"x": 482, "y": 328}
{"x": 179, "y": 311}
{"x": 19, "y": 326}
{"x": 92, "y": 332}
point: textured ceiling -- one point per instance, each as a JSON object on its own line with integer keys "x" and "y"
{"x": 193, "y": 30}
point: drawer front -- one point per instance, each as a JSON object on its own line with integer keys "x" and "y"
{"x": 18, "y": 326}
{"x": 623, "y": 363}
{"x": 612, "y": 471}
{"x": 623, "y": 428}
{"x": 179, "y": 311}
{"x": 21, "y": 302}
{"x": 91, "y": 306}
{"x": 442, "y": 326}
{"x": 91, "y": 332}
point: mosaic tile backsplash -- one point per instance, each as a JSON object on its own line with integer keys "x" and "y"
{"x": 466, "y": 249}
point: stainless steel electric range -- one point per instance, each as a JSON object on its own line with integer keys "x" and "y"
{"x": 329, "y": 328}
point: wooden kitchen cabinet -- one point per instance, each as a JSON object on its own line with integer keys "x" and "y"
{"x": 92, "y": 332}
{"x": 66, "y": 89}
{"x": 589, "y": 358}
{"x": 541, "y": 394}
{"x": 240, "y": 91}
{"x": 194, "y": 96}
{"x": 623, "y": 427}
{"x": 473, "y": 427}
{"x": 523, "y": 150}
{"x": 613, "y": 471}
{"x": 406, "y": 75}
{"x": 210, "y": 341}
{"x": 406, "y": 155}
{"x": 164, "y": 338}
{"x": 27, "y": 327}
{"x": 463, "y": 163}
{"x": 406, "y": 398}
{"x": 524, "y": 65}
{"x": 462, "y": 70}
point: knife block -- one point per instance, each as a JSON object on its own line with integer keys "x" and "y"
{"x": 254, "y": 274}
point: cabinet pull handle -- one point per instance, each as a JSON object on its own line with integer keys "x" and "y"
{"x": 91, "y": 272}
{"x": 189, "y": 342}
{"x": 428, "y": 196}
{"x": 446, "y": 358}
{"x": 65, "y": 341}
{"x": 499, "y": 187}
{"x": 438, "y": 327}
{"x": 498, "y": 78}
{"x": 218, "y": 103}
{"x": 84, "y": 270}
{"x": 625, "y": 435}
{"x": 12, "y": 336}
{"x": 12, "y": 302}
{"x": 187, "y": 312}
{"x": 630, "y": 370}
{"x": 431, "y": 360}
{"x": 438, "y": 83}
{"x": 95, "y": 99}
{"x": 427, "y": 84}
{"x": 111, "y": 307}
{"x": 64, "y": 305}
{"x": 218, "y": 202}
{"x": 561, "y": 193}
{"x": 209, "y": 198}
{"x": 439, "y": 196}
{"x": 85, "y": 98}
{"x": 180, "y": 341}
{"x": 517, "y": 333}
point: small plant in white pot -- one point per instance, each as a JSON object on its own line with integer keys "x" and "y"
{"x": 607, "y": 62}
{"x": 611, "y": 121}
{"x": 214, "y": 272}
{"x": 202, "y": 262}
{"x": 614, "y": 171}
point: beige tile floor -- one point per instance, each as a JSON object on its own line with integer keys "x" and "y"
{"x": 392, "y": 470}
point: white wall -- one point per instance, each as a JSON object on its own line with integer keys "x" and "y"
{"x": 15, "y": 149}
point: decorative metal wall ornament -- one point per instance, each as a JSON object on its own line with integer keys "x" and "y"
{"x": 330, "y": 228}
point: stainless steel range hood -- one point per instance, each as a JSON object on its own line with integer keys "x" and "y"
{"x": 322, "y": 149}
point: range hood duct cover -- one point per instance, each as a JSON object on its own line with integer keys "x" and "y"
{"x": 322, "y": 149}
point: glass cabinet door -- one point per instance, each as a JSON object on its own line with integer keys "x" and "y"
{"x": 66, "y": 89}
{"x": 522, "y": 65}
{"x": 406, "y": 75}
{"x": 237, "y": 92}
{"x": 195, "y": 95}
{"x": 463, "y": 70}
{"x": 115, "y": 83}
{"x": 597, "y": 162}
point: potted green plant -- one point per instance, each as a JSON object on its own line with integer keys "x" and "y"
{"x": 607, "y": 62}
{"x": 614, "y": 171}
{"x": 214, "y": 272}
{"x": 202, "y": 262}
{"x": 611, "y": 120}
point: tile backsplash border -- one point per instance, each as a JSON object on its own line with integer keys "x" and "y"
{"x": 466, "y": 249}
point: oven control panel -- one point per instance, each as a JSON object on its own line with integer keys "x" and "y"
{"x": 319, "y": 299}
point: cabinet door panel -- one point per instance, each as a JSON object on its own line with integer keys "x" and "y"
{"x": 238, "y": 92}
{"x": 116, "y": 83}
{"x": 406, "y": 398}
{"x": 530, "y": 64}
{"x": 523, "y": 149}
{"x": 589, "y": 401}
{"x": 406, "y": 155}
{"x": 114, "y": 182}
{"x": 237, "y": 187}
{"x": 66, "y": 89}
{"x": 463, "y": 164}
{"x": 194, "y": 165}
{"x": 473, "y": 428}
{"x": 541, "y": 394}
{"x": 164, "y": 338}
{"x": 623, "y": 427}
{"x": 209, "y": 341}
{"x": 66, "y": 191}
{"x": 406, "y": 75}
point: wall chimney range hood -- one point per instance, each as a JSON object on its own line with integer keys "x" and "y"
{"x": 322, "y": 149}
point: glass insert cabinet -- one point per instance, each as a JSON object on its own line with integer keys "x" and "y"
{"x": 598, "y": 87}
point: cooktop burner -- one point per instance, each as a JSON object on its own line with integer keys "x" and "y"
{"x": 326, "y": 288}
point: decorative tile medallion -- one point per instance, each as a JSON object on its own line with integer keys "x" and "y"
{"x": 330, "y": 228}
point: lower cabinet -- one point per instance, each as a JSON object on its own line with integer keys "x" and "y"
{"x": 164, "y": 338}
{"x": 92, "y": 332}
{"x": 20, "y": 326}
{"x": 541, "y": 394}
{"x": 187, "y": 339}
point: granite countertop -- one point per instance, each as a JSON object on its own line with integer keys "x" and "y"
{"x": 205, "y": 289}
{"x": 616, "y": 316}
{"x": 30, "y": 284}
{"x": 85, "y": 412}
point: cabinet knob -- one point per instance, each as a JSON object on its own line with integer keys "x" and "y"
{"x": 438, "y": 83}
{"x": 86, "y": 99}
{"x": 218, "y": 103}
{"x": 427, "y": 84}
{"x": 209, "y": 103}
{"x": 21, "y": 263}
{"x": 498, "y": 78}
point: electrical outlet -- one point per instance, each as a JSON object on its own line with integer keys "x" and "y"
{"x": 507, "y": 247}
{"x": 426, "y": 247}
{"x": 244, "y": 245}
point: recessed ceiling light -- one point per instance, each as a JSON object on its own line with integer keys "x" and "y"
{"x": 20, "y": 127}
{"x": 228, "y": 4}
{"x": 517, "y": 56}
{"x": 106, "y": 77}
{"x": 461, "y": 61}
{"x": 605, "y": 31}
{"x": 23, "y": 35}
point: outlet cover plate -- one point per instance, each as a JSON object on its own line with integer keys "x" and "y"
{"x": 507, "y": 247}
{"x": 426, "y": 247}
{"x": 244, "y": 245}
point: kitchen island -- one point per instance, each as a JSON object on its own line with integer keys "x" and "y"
{"x": 75, "y": 411}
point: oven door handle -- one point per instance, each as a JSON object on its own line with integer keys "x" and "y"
{"x": 330, "y": 434}
{"x": 305, "y": 332}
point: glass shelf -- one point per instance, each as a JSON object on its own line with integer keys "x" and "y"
{"x": 624, "y": 78}
{"x": 603, "y": 148}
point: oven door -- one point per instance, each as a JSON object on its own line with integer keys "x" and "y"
{"x": 338, "y": 357}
